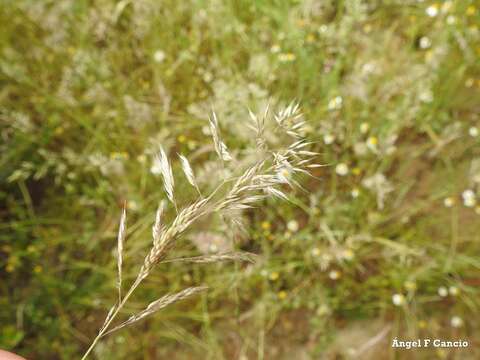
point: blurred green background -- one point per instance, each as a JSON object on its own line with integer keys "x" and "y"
{"x": 385, "y": 244}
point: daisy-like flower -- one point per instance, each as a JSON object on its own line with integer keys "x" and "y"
{"x": 275, "y": 49}
{"x": 334, "y": 275}
{"x": 355, "y": 192}
{"x": 286, "y": 57}
{"x": 372, "y": 143}
{"x": 328, "y": 139}
{"x": 453, "y": 290}
{"x": 442, "y": 291}
{"x": 451, "y": 19}
{"x": 315, "y": 251}
{"x": 274, "y": 276}
{"x": 426, "y": 96}
{"x": 341, "y": 169}
{"x": 473, "y": 131}
{"x": 432, "y": 10}
{"x": 323, "y": 310}
{"x": 348, "y": 254}
{"x": 456, "y": 322}
{"x": 213, "y": 248}
{"x": 323, "y": 29}
{"x": 398, "y": 299}
{"x": 159, "y": 56}
{"x": 335, "y": 103}
{"x": 469, "y": 199}
{"x": 448, "y": 202}
{"x": 156, "y": 168}
{"x": 364, "y": 127}
{"x": 425, "y": 42}
{"x": 292, "y": 225}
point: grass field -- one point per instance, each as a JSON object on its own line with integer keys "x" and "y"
{"x": 383, "y": 242}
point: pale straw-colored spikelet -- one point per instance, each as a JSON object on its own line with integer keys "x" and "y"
{"x": 220, "y": 147}
{"x": 213, "y": 258}
{"x": 157, "y": 226}
{"x": 167, "y": 174}
{"x": 159, "y": 304}
{"x": 188, "y": 171}
{"x": 275, "y": 192}
{"x": 259, "y": 128}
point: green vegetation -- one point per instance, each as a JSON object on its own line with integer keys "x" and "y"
{"x": 383, "y": 243}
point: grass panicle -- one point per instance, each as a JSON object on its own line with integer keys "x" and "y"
{"x": 272, "y": 169}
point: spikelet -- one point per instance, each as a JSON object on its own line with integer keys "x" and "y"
{"x": 188, "y": 171}
{"x": 213, "y": 258}
{"x": 167, "y": 174}
{"x": 157, "y": 226}
{"x": 220, "y": 146}
{"x": 159, "y": 304}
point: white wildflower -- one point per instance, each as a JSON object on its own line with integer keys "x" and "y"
{"x": 372, "y": 143}
{"x": 355, "y": 193}
{"x": 292, "y": 225}
{"x": 432, "y": 10}
{"x": 364, "y": 127}
{"x": 328, "y": 139}
{"x": 368, "y": 68}
{"x": 360, "y": 148}
{"x": 334, "y": 275}
{"x": 442, "y": 291}
{"x": 456, "y": 322}
{"x": 398, "y": 299}
{"x": 448, "y": 202}
{"x": 426, "y": 96}
{"x": 473, "y": 131}
{"x": 347, "y": 254}
{"x": 453, "y": 290}
{"x": 451, "y": 19}
{"x": 275, "y": 49}
{"x": 159, "y": 56}
{"x": 469, "y": 199}
{"x": 155, "y": 169}
{"x": 335, "y": 103}
{"x": 341, "y": 169}
{"x": 425, "y": 42}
